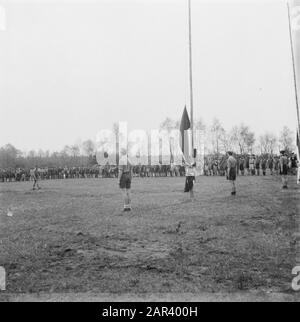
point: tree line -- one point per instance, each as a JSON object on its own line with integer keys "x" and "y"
{"x": 70, "y": 156}
{"x": 240, "y": 138}
{"x": 216, "y": 140}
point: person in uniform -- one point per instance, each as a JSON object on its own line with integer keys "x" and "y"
{"x": 215, "y": 167}
{"x": 206, "y": 168}
{"x": 242, "y": 166}
{"x": 257, "y": 165}
{"x": 271, "y": 164}
{"x": 251, "y": 165}
{"x": 231, "y": 171}
{"x": 294, "y": 164}
{"x": 276, "y": 165}
{"x": 125, "y": 177}
{"x": 247, "y": 165}
{"x": 264, "y": 166}
{"x": 190, "y": 174}
{"x": 34, "y": 174}
{"x": 237, "y": 165}
{"x": 283, "y": 163}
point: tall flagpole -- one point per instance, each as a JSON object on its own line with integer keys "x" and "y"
{"x": 191, "y": 74}
{"x": 294, "y": 68}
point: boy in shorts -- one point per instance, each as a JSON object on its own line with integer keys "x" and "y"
{"x": 34, "y": 174}
{"x": 231, "y": 171}
{"x": 190, "y": 173}
{"x": 125, "y": 176}
{"x": 283, "y": 162}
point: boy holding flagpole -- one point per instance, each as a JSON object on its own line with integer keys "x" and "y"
{"x": 190, "y": 174}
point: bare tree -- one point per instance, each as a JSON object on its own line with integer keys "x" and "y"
{"x": 217, "y": 131}
{"x": 243, "y": 138}
{"x": 268, "y": 143}
{"x": 8, "y": 156}
{"x": 286, "y": 139}
{"x": 200, "y": 137}
{"x": 88, "y": 147}
{"x": 226, "y": 141}
{"x": 168, "y": 124}
{"x": 31, "y": 154}
{"x": 116, "y": 131}
{"x": 67, "y": 150}
{"x": 200, "y": 125}
{"x": 75, "y": 150}
{"x": 40, "y": 153}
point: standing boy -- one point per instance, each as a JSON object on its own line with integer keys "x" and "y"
{"x": 242, "y": 166}
{"x": 125, "y": 176}
{"x": 264, "y": 166}
{"x": 251, "y": 165}
{"x": 257, "y": 165}
{"x": 283, "y": 162}
{"x": 34, "y": 174}
{"x": 294, "y": 163}
{"x": 271, "y": 164}
{"x": 231, "y": 171}
{"x": 190, "y": 173}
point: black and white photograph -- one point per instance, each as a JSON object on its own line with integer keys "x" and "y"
{"x": 149, "y": 152}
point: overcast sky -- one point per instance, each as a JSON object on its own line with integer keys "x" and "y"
{"x": 71, "y": 68}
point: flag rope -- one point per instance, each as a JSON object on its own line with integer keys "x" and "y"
{"x": 294, "y": 68}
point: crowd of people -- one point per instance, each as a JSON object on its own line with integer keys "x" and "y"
{"x": 19, "y": 174}
{"x": 229, "y": 165}
{"x": 213, "y": 166}
{"x": 232, "y": 165}
{"x": 107, "y": 171}
{"x": 251, "y": 165}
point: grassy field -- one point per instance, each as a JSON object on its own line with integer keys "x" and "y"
{"x": 72, "y": 237}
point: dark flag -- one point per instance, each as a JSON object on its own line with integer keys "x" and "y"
{"x": 186, "y": 135}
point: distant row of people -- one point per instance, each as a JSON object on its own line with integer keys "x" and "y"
{"x": 107, "y": 171}
{"x": 285, "y": 162}
{"x": 252, "y": 165}
{"x": 19, "y": 174}
{"x": 245, "y": 165}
